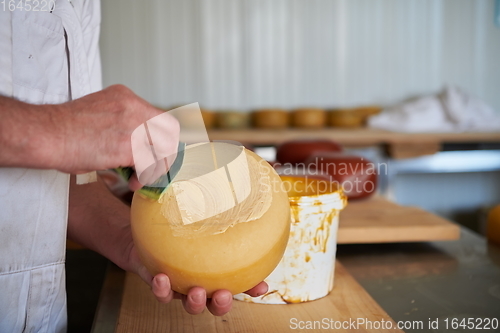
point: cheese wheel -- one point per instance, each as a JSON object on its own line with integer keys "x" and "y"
{"x": 233, "y": 249}
{"x": 231, "y": 119}
{"x": 270, "y": 118}
{"x": 297, "y": 151}
{"x": 356, "y": 175}
{"x": 308, "y": 118}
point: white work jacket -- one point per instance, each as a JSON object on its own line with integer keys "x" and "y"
{"x": 46, "y": 57}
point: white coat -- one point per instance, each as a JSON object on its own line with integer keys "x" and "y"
{"x": 45, "y": 57}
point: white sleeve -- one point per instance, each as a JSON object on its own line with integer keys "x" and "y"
{"x": 91, "y": 24}
{"x": 6, "y": 54}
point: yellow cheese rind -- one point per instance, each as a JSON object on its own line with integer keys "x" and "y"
{"x": 236, "y": 259}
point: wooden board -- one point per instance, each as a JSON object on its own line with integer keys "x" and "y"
{"x": 377, "y": 220}
{"x": 410, "y": 150}
{"x": 140, "y": 312}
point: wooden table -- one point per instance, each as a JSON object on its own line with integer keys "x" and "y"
{"x": 140, "y": 312}
{"x": 128, "y": 306}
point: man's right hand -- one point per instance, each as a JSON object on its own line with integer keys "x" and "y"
{"x": 89, "y": 133}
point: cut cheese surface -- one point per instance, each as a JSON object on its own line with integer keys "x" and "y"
{"x": 218, "y": 185}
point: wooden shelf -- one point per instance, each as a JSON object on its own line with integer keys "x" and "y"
{"x": 348, "y": 137}
{"x": 400, "y": 145}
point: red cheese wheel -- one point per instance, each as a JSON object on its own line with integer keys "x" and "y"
{"x": 297, "y": 151}
{"x": 356, "y": 175}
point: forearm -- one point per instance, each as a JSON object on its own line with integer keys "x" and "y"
{"x": 28, "y": 134}
{"x": 89, "y": 133}
{"x": 100, "y": 221}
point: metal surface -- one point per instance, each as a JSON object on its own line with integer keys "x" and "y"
{"x": 435, "y": 280}
{"x": 449, "y": 161}
{"x": 412, "y": 281}
{"x": 110, "y": 300}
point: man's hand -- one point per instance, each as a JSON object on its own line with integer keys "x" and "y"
{"x": 101, "y": 222}
{"x": 196, "y": 300}
{"x": 90, "y": 133}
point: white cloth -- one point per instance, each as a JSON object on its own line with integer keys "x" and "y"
{"x": 451, "y": 111}
{"x": 35, "y": 50}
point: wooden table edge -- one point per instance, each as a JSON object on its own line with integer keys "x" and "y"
{"x": 110, "y": 300}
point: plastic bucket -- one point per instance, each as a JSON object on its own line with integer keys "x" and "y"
{"x": 306, "y": 271}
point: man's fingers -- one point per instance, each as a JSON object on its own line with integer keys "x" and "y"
{"x": 154, "y": 147}
{"x": 258, "y": 290}
{"x": 133, "y": 183}
{"x": 221, "y": 302}
{"x": 195, "y": 301}
{"x": 161, "y": 288}
{"x": 144, "y": 274}
{"x": 177, "y": 295}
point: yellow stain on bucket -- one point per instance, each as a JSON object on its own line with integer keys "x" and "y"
{"x": 306, "y": 271}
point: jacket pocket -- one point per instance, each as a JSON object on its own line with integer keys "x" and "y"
{"x": 39, "y": 64}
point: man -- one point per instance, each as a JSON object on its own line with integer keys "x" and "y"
{"x": 54, "y": 121}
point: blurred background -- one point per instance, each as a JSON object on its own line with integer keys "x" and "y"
{"x": 248, "y": 54}
{"x": 239, "y": 56}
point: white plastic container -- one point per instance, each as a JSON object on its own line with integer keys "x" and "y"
{"x": 306, "y": 271}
